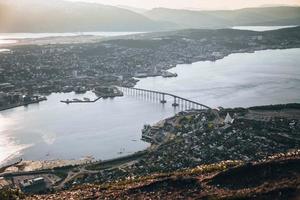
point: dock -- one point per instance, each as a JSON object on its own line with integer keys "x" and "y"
{"x": 80, "y": 101}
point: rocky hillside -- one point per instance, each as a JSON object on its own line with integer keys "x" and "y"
{"x": 277, "y": 177}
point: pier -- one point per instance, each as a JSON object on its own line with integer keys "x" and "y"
{"x": 161, "y": 97}
{"x": 80, "y": 101}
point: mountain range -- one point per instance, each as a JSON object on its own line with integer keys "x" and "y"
{"x": 64, "y": 16}
{"x": 268, "y": 16}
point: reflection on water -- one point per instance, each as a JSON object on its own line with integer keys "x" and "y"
{"x": 8, "y": 146}
{"x": 52, "y": 130}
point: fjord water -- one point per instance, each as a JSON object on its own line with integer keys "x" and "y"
{"x": 243, "y": 79}
{"x": 53, "y": 130}
{"x": 11, "y": 38}
{"x": 261, "y": 28}
{"x": 105, "y": 129}
{"x": 5, "y": 36}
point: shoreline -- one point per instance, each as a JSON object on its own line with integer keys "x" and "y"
{"x": 173, "y": 153}
{"x": 73, "y": 36}
{"x": 209, "y": 60}
{"x": 21, "y": 104}
{"x": 172, "y": 56}
{"x": 230, "y": 54}
{"x": 95, "y": 164}
{"x": 76, "y": 38}
{"x": 38, "y": 166}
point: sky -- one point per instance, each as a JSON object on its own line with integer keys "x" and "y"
{"x": 195, "y": 4}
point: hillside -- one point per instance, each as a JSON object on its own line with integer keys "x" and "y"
{"x": 63, "y": 16}
{"x": 256, "y": 156}
{"x": 277, "y": 177}
{"x": 227, "y": 18}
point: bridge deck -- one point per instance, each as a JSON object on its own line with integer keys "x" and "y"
{"x": 168, "y": 94}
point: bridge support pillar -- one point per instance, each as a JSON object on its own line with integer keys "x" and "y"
{"x": 163, "y": 101}
{"x": 175, "y": 104}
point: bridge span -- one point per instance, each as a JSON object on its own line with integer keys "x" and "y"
{"x": 161, "y": 97}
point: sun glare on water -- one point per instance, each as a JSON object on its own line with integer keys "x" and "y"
{"x": 9, "y": 149}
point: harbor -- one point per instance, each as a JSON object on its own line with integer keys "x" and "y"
{"x": 85, "y": 100}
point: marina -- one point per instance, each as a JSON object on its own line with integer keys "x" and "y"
{"x": 85, "y": 100}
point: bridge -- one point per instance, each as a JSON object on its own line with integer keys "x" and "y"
{"x": 162, "y": 98}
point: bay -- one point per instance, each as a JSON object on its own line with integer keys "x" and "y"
{"x": 111, "y": 128}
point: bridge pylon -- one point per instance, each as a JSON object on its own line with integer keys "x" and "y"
{"x": 175, "y": 104}
{"x": 163, "y": 100}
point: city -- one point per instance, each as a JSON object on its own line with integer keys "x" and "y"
{"x": 106, "y": 101}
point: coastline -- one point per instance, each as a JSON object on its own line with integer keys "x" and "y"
{"x": 172, "y": 153}
{"x": 29, "y": 166}
{"x": 208, "y": 60}
{"x": 205, "y": 61}
{"x": 237, "y": 53}
{"x": 251, "y": 50}
{"x": 158, "y": 62}
{"x": 92, "y": 164}
{"x": 21, "y": 104}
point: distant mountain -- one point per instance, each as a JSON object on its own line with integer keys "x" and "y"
{"x": 63, "y": 16}
{"x": 228, "y": 18}
{"x": 276, "y": 5}
{"x": 133, "y": 9}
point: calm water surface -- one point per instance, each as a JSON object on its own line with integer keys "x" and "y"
{"x": 12, "y": 38}
{"x": 53, "y": 130}
{"x": 244, "y": 79}
{"x": 5, "y": 36}
{"x": 261, "y": 28}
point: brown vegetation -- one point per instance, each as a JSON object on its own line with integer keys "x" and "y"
{"x": 278, "y": 177}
